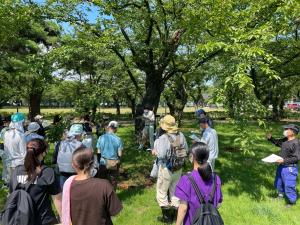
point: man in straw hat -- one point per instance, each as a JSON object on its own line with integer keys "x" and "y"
{"x": 171, "y": 150}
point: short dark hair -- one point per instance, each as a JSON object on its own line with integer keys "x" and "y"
{"x": 203, "y": 120}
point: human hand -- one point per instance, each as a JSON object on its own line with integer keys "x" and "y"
{"x": 268, "y": 135}
{"x": 279, "y": 161}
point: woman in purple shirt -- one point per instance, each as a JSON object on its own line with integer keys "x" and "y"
{"x": 203, "y": 176}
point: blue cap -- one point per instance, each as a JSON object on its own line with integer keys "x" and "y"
{"x": 200, "y": 112}
{"x": 76, "y": 129}
{"x": 17, "y": 117}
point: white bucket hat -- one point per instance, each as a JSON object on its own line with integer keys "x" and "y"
{"x": 32, "y": 127}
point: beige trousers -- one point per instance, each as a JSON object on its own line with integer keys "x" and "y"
{"x": 166, "y": 185}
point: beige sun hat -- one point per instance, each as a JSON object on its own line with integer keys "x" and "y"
{"x": 169, "y": 124}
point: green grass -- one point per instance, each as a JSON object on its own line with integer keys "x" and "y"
{"x": 247, "y": 183}
{"x": 124, "y": 110}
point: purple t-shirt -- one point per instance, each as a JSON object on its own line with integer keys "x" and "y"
{"x": 185, "y": 192}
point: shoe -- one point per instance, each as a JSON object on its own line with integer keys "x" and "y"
{"x": 289, "y": 205}
{"x": 166, "y": 217}
{"x": 140, "y": 148}
{"x": 149, "y": 150}
{"x": 279, "y": 197}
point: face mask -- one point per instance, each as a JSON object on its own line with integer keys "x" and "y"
{"x": 286, "y": 133}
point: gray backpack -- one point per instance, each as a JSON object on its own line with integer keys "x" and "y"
{"x": 178, "y": 154}
{"x": 206, "y": 214}
{"x": 19, "y": 208}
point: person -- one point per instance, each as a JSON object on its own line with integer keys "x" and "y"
{"x": 148, "y": 131}
{"x": 154, "y": 171}
{"x": 3, "y": 154}
{"x": 200, "y": 113}
{"x": 210, "y": 137}
{"x": 15, "y": 143}
{"x": 33, "y": 127}
{"x": 88, "y": 129}
{"x": 43, "y": 182}
{"x": 287, "y": 170}
{"x": 39, "y": 120}
{"x": 110, "y": 148}
{"x": 204, "y": 178}
{"x": 88, "y": 200}
{"x": 139, "y": 122}
{"x": 167, "y": 176}
{"x": 66, "y": 149}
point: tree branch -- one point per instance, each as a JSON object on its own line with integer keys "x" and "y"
{"x": 122, "y": 58}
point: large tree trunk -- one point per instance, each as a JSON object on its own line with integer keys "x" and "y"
{"x": 34, "y": 104}
{"x": 154, "y": 88}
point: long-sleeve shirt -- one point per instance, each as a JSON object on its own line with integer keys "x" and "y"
{"x": 290, "y": 150}
{"x": 210, "y": 137}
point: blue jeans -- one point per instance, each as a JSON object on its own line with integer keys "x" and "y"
{"x": 286, "y": 181}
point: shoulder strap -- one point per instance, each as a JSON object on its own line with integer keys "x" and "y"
{"x": 212, "y": 194}
{"x": 196, "y": 189}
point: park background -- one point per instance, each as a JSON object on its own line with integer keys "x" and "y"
{"x": 238, "y": 59}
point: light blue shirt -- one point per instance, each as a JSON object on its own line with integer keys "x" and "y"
{"x": 109, "y": 145}
{"x": 210, "y": 137}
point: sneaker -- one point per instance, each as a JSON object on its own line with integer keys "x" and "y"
{"x": 149, "y": 150}
{"x": 279, "y": 197}
{"x": 289, "y": 205}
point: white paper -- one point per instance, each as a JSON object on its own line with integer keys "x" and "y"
{"x": 271, "y": 158}
{"x": 195, "y": 138}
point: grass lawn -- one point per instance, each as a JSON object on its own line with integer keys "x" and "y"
{"x": 124, "y": 110}
{"x": 247, "y": 183}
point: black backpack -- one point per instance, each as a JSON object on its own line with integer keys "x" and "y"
{"x": 19, "y": 207}
{"x": 178, "y": 154}
{"x": 206, "y": 214}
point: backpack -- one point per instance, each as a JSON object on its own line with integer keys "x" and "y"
{"x": 206, "y": 214}
{"x": 19, "y": 207}
{"x": 178, "y": 154}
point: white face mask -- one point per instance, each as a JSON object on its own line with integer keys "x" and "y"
{"x": 286, "y": 133}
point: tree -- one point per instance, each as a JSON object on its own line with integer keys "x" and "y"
{"x": 26, "y": 54}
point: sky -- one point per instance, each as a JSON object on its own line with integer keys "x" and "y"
{"x": 90, "y": 10}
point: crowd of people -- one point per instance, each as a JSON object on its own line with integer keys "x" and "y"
{"x": 83, "y": 179}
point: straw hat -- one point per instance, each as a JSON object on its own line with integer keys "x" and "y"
{"x": 168, "y": 124}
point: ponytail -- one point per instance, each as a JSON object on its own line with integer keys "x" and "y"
{"x": 200, "y": 154}
{"x": 35, "y": 147}
{"x": 205, "y": 171}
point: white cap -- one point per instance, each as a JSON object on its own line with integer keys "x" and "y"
{"x": 38, "y": 117}
{"x": 32, "y": 127}
{"x": 113, "y": 124}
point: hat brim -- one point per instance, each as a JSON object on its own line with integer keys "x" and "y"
{"x": 291, "y": 128}
{"x": 168, "y": 128}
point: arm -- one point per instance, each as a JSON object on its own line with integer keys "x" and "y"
{"x": 277, "y": 142}
{"x": 57, "y": 202}
{"x": 182, "y": 209}
{"x": 120, "y": 152}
